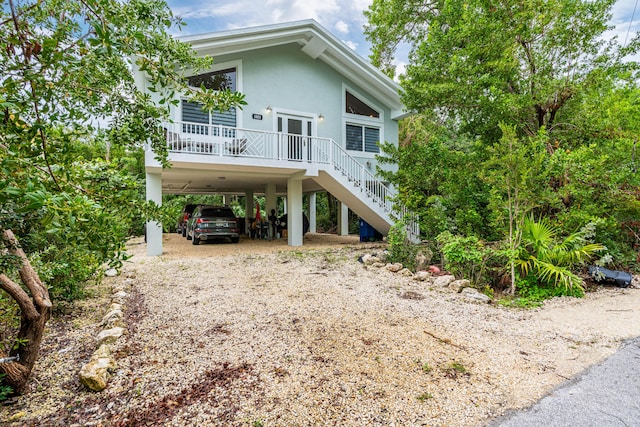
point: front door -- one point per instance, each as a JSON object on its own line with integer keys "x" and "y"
{"x": 298, "y": 130}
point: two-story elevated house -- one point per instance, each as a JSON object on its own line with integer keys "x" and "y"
{"x": 314, "y": 116}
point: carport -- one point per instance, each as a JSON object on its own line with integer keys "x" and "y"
{"x": 238, "y": 177}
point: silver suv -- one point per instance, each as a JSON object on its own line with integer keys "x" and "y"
{"x": 210, "y": 222}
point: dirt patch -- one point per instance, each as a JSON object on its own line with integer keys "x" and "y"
{"x": 174, "y": 246}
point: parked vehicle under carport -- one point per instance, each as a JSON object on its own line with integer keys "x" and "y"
{"x": 208, "y": 222}
{"x": 181, "y": 226}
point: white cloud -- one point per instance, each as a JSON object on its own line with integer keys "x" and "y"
{"x": 342, "y": 27}
{"x": 401, "y": 67}
{"x": 343, "y": 17}
{"x": 351, "y": 44}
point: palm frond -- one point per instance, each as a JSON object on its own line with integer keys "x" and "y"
{"x": 525, "y": 265}
{"x": 577, "y": 255}
{"x": 558, "y": 276}
{"x": 540, "y": 234}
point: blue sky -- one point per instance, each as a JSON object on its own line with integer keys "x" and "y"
{"x": 344, "y": 18}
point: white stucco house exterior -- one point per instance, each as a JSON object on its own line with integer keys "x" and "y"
{"x": 314, "y": 115}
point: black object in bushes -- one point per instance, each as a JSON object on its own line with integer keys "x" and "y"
{"x": 622, "y": 279}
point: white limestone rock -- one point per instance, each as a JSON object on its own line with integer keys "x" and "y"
{"x": 473, "y": 295}
{"x": 443, "y": 281}
{"x": 95, "y": 374}
{"x": 459, "y": 285}
{"x": 422, "y": 276}
{"x": 109, "y": 336}
{"x": 395, "y": 267}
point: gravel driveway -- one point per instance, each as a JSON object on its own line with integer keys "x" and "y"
{"x": 260, "y": 334}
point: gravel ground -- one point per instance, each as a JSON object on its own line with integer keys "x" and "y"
{"x": 260, "y": 334}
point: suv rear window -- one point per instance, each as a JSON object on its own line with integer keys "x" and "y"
{"x": 217, "y": 212}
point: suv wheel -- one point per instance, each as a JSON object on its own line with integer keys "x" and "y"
{"x": 184, "y": 232}
{"x": 235, "y": 239}
{"x": 195, "y": 241}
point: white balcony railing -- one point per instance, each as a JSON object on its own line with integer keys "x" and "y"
{"x": 222, "y": 141}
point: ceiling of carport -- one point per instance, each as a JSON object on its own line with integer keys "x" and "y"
{"x": 194, "y": 181}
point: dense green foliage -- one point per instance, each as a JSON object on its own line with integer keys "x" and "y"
{"x": 400, "y": 249}
{"x": 522, "y": 109}
{"x": 71, "y": 193}
{"x": 550, "y": 261}
{"x": 74, "y": 125}
{"x": 464, "y": 256}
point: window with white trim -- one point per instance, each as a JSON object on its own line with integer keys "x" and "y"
{"x": 216, "y": 80}
{"x": 363, "y": 125}
{"x": 192, "y": 112}
{"x": 354, "y": 105}
{"x": 362, "y": 138}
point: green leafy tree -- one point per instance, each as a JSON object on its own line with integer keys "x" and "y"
{"x": 438, "y": 178}
{"x": 480, "y": 63}
{"x": 542, "y": 69}
{"x": 66, "y": 66}
{"x": 516, "y": 173}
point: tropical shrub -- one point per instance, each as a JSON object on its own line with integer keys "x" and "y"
{"x": 5, "y": 390}
{"x": 551, "y": 260}
{"x": 464, "y": 257}
{"x": 400, "y": 248}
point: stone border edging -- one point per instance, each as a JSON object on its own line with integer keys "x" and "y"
{"x": 96, "y": 372}
{"x": 461, "y": 286}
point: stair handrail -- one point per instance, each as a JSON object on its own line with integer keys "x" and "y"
{"x": 384, "y": 196}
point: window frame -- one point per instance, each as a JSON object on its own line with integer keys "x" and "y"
{"x": 239, "y": 88}
{"x": 361, "y": 121}
{"x": 363, "y": 129}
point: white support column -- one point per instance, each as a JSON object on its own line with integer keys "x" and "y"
{"x": 312, "y": 212}
{"x": 154, "y": 229}
{"x": 285, "y": 203}
{"x": 224, "y": 199}
{"x": 294, "y": 212}
{"x": 248, "y": 209}
{"x": 343, "y": 219}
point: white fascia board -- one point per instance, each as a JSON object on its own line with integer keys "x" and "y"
{"x": 401, "y": 114}
{"x": 220, "y": 47}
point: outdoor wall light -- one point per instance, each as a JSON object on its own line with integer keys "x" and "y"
{"x": 321, "y": 117}
{"x": 269, "y": 109}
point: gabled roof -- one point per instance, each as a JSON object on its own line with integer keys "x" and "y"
{"x": 316, "y": 42}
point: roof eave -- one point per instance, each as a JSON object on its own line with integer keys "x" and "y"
{"x": 315, "y": 41}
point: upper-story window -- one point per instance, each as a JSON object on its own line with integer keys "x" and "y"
{"x": 216, "y": 80}
{"x": 192, "y": 112}
{"x": 356, "y": 106}
{"x": 363, "y": 125}
{"x": 362, "y": 138}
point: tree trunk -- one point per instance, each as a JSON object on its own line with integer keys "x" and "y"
{"x": 35, "y": 312}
